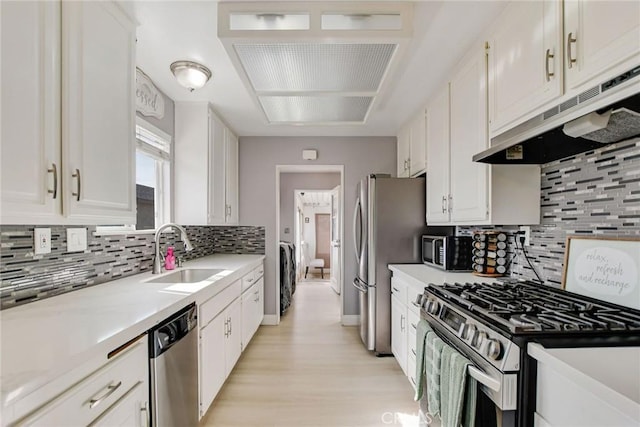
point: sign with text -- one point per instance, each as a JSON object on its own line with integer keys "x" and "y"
{"x": 604, "y": 268}
{"x": 149, "y": 100}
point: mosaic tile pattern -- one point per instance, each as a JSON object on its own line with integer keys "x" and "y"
{"x": 593, "y": 193}
{"x": 26, "y": 277}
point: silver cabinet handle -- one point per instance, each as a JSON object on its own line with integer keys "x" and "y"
{"x": 395, "y": 289}
{"x": 144, "y": 414}
{"x": 414, "y": 326}
{"x": 226, "y": 328}
{"x": 570, "y": 41}
{"x": 415, "y": 304}
{"x": 93, "y": 402}
{"x": 230, "y": 326}
{"x": 54, "y": 171}
{"x": 250, "y": 280}
{"x": 76, "y": 174}
{"x": 547, "y": 57}
{"x": 450, "y": 203}
{"x": 444, "y": 200}
{"x": 401, "y": 322}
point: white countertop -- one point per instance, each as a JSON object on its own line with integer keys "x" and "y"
{"x": 611, "y": 373}
{"x": 420, "y": 275}
{"x": 45, "y": 339}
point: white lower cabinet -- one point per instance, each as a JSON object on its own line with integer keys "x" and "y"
{"x": 116, "y": 393}
{"x": 227, "y": 322}
{"x": 132, "y": 410}
{"x": 399, "y": 323}
{"x": 252, "y": 311}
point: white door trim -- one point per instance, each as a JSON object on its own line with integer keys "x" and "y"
{"x": 307, "y": 169}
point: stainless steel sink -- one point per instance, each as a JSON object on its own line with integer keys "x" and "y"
{"x": 188, "y": 275}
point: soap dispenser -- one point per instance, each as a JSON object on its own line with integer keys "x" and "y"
{"x": 170, "y": 259}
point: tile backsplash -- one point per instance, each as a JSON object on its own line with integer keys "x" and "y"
{"x": 26, "y": 277}
{"x": 593, "y": 193}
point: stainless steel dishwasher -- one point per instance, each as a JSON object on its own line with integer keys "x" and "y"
{"x": 173, "y": 360}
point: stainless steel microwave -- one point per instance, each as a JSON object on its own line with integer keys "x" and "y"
{"x": 448, "y": 252}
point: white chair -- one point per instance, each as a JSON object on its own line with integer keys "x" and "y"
{"x": 313, "y": 263}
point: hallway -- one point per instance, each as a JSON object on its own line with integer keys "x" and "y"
{"x": 310, "y": 371}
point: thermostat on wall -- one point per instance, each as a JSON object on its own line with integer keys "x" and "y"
{"x": 309, "y": 154}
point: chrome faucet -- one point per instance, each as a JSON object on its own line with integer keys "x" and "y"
{"x": 157, "y": 260}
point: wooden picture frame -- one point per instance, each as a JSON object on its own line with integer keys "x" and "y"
{"x": 605, "y": 268}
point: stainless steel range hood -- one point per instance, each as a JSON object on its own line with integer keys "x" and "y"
{"x": 604, "y": 114}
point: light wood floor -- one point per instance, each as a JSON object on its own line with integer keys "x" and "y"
{"x": 311, "y": 371}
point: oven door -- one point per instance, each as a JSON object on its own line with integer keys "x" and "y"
{"x": 497, "y": 392}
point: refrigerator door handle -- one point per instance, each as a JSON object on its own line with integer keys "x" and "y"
{"x": 357, "y": 283}
{"x": 356, "y": 243}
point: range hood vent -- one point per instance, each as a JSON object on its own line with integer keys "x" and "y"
{"x": 604, "y": 114}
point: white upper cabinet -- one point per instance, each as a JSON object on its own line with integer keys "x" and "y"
{"x": 231, "y": 178}
{"x": 412, "y": 146}
{"x": 438, "y": 157}
{"x": 459, "y": 190}
{"x": 67, "y": 113}
{"x": 30, "y": 140}
{"x": 98, "y": 127}
{"x": 404, "y": 147}
{"x": 418, "y": 144}
{"x": 602, "y": 40}
{"x": 206, "y": 167}
{"x": 469, "y": 180}
{"x": 525, "y": 60}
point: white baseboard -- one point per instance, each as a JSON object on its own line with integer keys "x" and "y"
{"x": 270, "y": 319}
{"x": 351, "y": 320}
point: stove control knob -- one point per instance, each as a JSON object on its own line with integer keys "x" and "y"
{"x": 494, "y": 349}
{"x": 478, "y": 338}
{"x": 468, "y": 331}
{"x": 432, "y": 307}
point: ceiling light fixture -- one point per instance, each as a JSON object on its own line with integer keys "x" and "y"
{"x": 190, "y": 74}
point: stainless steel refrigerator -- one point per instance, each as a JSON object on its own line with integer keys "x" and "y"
{"x": 389, "y": 218}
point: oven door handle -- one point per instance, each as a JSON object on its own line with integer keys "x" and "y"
{"x": 483, "y": 378}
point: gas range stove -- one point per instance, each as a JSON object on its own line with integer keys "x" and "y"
{"x": 492, "y": 323}
{"x": 524, "y": 307}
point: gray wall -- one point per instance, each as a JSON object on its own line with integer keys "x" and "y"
{"x": 289, "y": 182}
{"x": 258, "y": 157}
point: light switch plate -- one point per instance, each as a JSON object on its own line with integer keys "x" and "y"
{"x": 76, "y": 239}
{"x": 42, "y": 240}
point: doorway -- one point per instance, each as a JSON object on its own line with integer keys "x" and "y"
{"x": 309, "y": 215}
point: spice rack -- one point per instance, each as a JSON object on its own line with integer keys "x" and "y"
{"x": 490, "y": 253}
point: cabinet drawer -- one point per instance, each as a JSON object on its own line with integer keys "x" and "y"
{"x": 399, "y": 289}
{"x": 210, "y": 308}
{"x": 252, "y": 277}
{"x": 87, "y": 400}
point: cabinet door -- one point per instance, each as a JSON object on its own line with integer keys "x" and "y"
{"x": 607, "y": 39}
{"x": 418, "y": 143}
{"x": 469, "y": 180}
{"x": 217, "y": 158}
{"x": 213, "y": 339}
{"x": 521, "y": 63}
{"x": 132, "y": 410}
{"x": 30, "y": 147}
{"x": 404, "y": 142}
{"x": 234, "y": 340}
{"x": 248, "y": 308}
{"x": 98, "y": 128}
{"x": 399, "y": 332}
{"x": 438, "y": 158}
{"x": 231, "y": 193}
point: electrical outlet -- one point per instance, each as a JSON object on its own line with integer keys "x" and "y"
{"x": 76, "y": 239}
{"x": 42, "y": 240}
{"x": 527, "y": 234}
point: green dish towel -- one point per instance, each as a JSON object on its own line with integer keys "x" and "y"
{"x": 422, "y": 329}
{"x": 457, "y": 394}
{"x": 433, "y": 351}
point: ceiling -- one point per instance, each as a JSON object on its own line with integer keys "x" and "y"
{"x": 314, "y": 198}
{"x": 186, "y": 30}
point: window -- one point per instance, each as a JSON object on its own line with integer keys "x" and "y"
{"x": 153, "y": 171}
